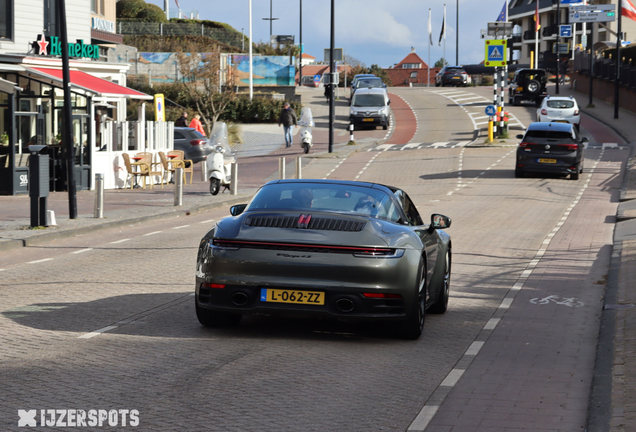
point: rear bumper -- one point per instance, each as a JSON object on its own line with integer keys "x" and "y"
{"x": 370, "y": 120}
{"x": 566, "y": 164}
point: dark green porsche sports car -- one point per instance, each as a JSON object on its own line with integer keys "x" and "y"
{"x": 331, "y": 248}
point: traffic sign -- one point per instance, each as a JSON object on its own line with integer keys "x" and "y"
{"x": 565, "y": 31}
{"x": 491, "y": 110}
{"x": 592, "y": 13}
{"x": 495, "y": 53}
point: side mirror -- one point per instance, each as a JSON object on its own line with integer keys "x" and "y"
{"x": 389, "y": 102}
{"x": 439, "y": 221}
{"x": 585, "y": 139}
{"x": 519, "y": 136}
{"x": 236, "y": 210}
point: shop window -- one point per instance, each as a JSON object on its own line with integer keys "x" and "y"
{"x": 6, "y": 19}
{"x": 413, "y": 74}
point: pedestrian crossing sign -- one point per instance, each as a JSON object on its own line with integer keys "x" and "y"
{"x": 495, "y": 53}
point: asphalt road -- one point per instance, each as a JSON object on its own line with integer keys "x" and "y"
{"x": 106, "y": 320}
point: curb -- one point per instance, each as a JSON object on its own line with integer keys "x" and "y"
{"x": 72, "y": 232}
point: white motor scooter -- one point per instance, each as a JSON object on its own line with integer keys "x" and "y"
{"x": 220, "y": 159}
{"x": 306, "y": 122}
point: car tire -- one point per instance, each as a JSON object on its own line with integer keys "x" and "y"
{"x": 519, "y": 173}
{"x": 412, "y": 328}
{"x": 306, "y": 148}
{"x": 210, "y": 318}
{"x": 575, "y": 175}
{"x": 515, "y": 101}
{"x": 441, "y": 304}
{"x": 385, "y": 127}
{"x": 215, "y": 186}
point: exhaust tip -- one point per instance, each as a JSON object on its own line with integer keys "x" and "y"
{"x": 239, "y": 298}
{"x": 345, "y": 305}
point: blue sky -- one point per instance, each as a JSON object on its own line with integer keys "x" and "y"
{"x": 373, "y": 31}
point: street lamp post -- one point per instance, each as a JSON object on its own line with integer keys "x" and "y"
{"x": 270, "y": 19}
{"x": 457, "y": 35}
{"x": 332, "y": 70}
{"x": 250, "y": 50}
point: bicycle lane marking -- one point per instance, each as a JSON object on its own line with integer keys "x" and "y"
{"x": 434, "y": 402}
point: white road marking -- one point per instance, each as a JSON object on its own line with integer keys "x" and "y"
{"x": 182, "y": 226}
{"x": 440, "y": 144}
{"x": 452, "y": 377}
{"x": 474, "y": 348}
{"x": 120, "y": 241}
{"x": 207, "y": 221}
{"x": 96, "y": 332}
{"x": 423, "y": 418}
{"x": 40, "y": 261}
{"x": 406, "y": 146}
{"x": 82, "y": 251}
{"x": 492, "y": 323}
{"x": 153, "y": 233}
{"x": 384, "y": 147}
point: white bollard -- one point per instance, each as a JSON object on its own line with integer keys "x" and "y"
{"x": 204, "y": 170}
{"x": 50, "y": 218}
{"x": 99, "y": 196}
{"x": 299, "y": 168}
{"x": 234, "y": 179}
{"x": 281, "y": 168}
{"x": 178, "y": 186}
{"x": 351, "y": 132}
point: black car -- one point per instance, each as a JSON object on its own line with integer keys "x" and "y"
{"x": 192, "y": 142}
{"x": 325, "y": 248}
{"x": 550, "y": 148}
{"x": 451, "y": 75}
{"x": 528, "y": 85}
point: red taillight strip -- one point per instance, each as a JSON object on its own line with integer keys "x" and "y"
{"x": 211, "y": 285}
{"x": 382, "y": 295}
{"x": 235, "y": 243}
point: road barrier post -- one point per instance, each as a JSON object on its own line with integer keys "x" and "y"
{"x": 99, "y": 196}
{"x": 490, "y": 130}
{"x": 234, "y": 179}
{"x": 281, "y": 168}
{"x": 204, "y": 170}
{"x": 178, "y": 186}
{"x": 299, "y": 167}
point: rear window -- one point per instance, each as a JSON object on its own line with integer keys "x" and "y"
{"x": 455, "y": 70}
{"x": 549, "y": 135}
{"x": 373, "y": 83}
{"x": 560, "y": 104}
{"x": 198, "y": 134}
{"x": 368, "y": 100}
{"x": 333, "y": 197}
{"x": 178, "y": 135}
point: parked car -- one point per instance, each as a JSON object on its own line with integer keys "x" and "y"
{"x": 192, "y": 142}
{"x": 551, "y": 148}
{"x": 325, "y": 248}
{"x": 563, "y": 109}
{"x": 370, "y": 106}
{"x": 451, "y": 75}
{"x": 528, "y": 85}
{"x": 360, "y": 76}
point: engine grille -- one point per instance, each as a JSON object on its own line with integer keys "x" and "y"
{"x": 316, "y": 223}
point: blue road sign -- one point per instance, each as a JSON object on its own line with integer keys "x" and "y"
{"x": 565, "y": 31}
{"x": 495, "y": 53}
{"x": 490, "y": 110}
{"x": 570, "y": 1}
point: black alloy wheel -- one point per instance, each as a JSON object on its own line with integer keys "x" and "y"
{"x": 215, "y": 186}
{"x": 441, "y": 304}
{"x": 413, "y": 327}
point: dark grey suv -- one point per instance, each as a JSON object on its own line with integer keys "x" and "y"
{"x": 550, "y": 148}
{"x": 451, "y": 75}
{"x": 192, "y": 142}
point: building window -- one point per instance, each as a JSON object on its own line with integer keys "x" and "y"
{"x": 97, "y": 7}
{"x": 50, "y": 18}
{"x": 413, "y": 74}
{"x": 6, "y": 19}
{"x": 411, "y": 65}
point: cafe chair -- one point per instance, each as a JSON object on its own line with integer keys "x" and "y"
{"x": 169, "y": 166}
{"x": 151, "y": 169}
{"x": 141, "y": 169}
{"x": 188, "y": 166}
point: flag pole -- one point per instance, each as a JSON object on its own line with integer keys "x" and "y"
{"x": 430, "y": 42}
{"x": 619, "y": 42}
{"x": 536, "y": 37}
{"x": 444, "y": 35}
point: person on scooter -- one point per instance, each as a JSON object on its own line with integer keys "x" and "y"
{"x": 288, "y": 120}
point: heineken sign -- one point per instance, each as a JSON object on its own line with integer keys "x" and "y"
{"x": 51, "y": 45}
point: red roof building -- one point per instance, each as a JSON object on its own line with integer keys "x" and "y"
{"x": 412, "y": 70}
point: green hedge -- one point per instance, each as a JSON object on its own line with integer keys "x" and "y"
{"x": 258, "y": 110}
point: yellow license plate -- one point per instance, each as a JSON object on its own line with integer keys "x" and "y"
{"x": 560, "y": 121}
{"x": 367, "y": 119}
{"x": 292, "y": 296}
{"x": 547, "y": 161}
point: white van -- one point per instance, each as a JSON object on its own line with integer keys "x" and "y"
{"x": 370, "y": 106}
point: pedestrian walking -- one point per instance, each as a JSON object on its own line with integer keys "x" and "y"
{"x": 328, "y": 92}
{"x": 183, "y": 120}
{"x": 288, "y": 120}
{"x": 196, "y": 124}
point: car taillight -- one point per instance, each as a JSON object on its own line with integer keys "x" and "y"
{"x": 464, "y": 73}
{"x": 198, "y": 142}
{"x": 382, "y": 295}
{"x": 448, "y": 73}
{"x": 571, "y": 146}
{"x": 576, "y": 112}
{"x": 544, "y": 112}
{"x": 211, "y": 285}
{"x": 524, "y": 144}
